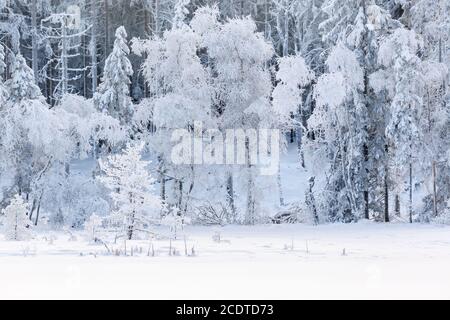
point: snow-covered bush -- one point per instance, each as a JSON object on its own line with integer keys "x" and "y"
{"x": 174, "y": 220}
{"x": 78, "y": 194}
{"x": 444, "y": 217}
{"x": 16, "y": 223}
{"x": 297, "y": 212}
{"x": 91, "y": 226}
{"x": 212, "y": 214}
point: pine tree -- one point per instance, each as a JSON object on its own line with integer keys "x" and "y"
{"x": 131, "y": 189}
{"x": 180, "y": 13}
{"x": 17, "y": 225}
{"x": 22, "y": 86}
{"x": 113, "y": 94}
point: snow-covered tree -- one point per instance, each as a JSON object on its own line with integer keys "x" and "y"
{"x": 21, "y": 85}
{"x": 398, "y": 53}
{"x": 339, "y": 19}
{"x": 180, "y": 13}
{"x": 358, "y": 25}
{"x": 307, "y": 17}
{"x": 293, "y": 76}
{"x": 181, "y": 95}
{"x": 128, "y": 178}
{"x": 339, "y": 120}
{"x": 33, "y": 137}
{"x": 283, "y": 11}
{"x": 431, "y": 20}
{"x": 113, "y": 94}
{"x": 90, "y": 129}
{"x": 20, "y": 131}
{"x": 434, "y": 125}
{"x": 352, "y": 81}
{"x": 65, "y": 30}
{"x": 242, "y": 89}
{"x": 16, "y": 223}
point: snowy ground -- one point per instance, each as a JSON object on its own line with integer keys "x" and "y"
{"x": 261, "y": 262}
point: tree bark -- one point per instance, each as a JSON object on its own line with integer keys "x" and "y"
{"x": 38, "y": 209}
{"x": 93, "y": 46}
{"x": 107, "y": 40}
{"x": 435, "y": 210}
{"x": 366, "y": 186}
{"x": 162, "y": 179}
{"x": 34, "y": 52}
{"x": 386, "y": 189}
{"x": 250, "y": 214}
{"x": 230, "y": 197}
{"x": 410, "y": 192}
{"x": 280, "y": 186}
{"x": 397, "y": 205}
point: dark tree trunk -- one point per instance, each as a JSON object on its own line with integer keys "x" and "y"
{"x": 386, "y": 187}
{"x": 230, "y": 196}
{"x": 397, "y": 205}
{"x": 410, "y": 193}
{"x": 366, "y": 190}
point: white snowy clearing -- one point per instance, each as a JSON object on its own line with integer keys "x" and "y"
{"x": 364, "y": 260}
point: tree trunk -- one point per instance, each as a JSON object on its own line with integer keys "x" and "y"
{"x": 280, "y": 187}
{"x": 107, "y": 41}
{"x": 386, "y": 188}
{"x": 130, "y": 227}
{"x": 230, "y": 197}
{"x": 410, "y": 192}
{"x": 366, "y": 45}
{"x": 366, "y": 186}
{"x": 435, "y": 210}
{"x": 147, "y": 30}
{"x": 191, "y": 187}
{"x": 286, "y": 33}
{"x": 300, "y": 152}
{"x": 162, "y": 180}
{"x": 302, "y": 123}
{"x": 180, "y": 196}
{"x": 93, "y": 46}
{"x": 85, "y": 66}
{"x": 156, "y": 14}
{"x": 311, "y": 201}
{"x": 397, "y": 205}
{"x": 33, "y": 207}
{"x": 34, "y": 46}
{"x": 250, "y": 212}
{"x": 38, "y": 209}
{"x": 64, "y": 62}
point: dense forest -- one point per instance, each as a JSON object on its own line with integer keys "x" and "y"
{"x": 91, "y": 92}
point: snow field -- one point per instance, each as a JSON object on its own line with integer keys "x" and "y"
{"x": 364, "y": 260}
